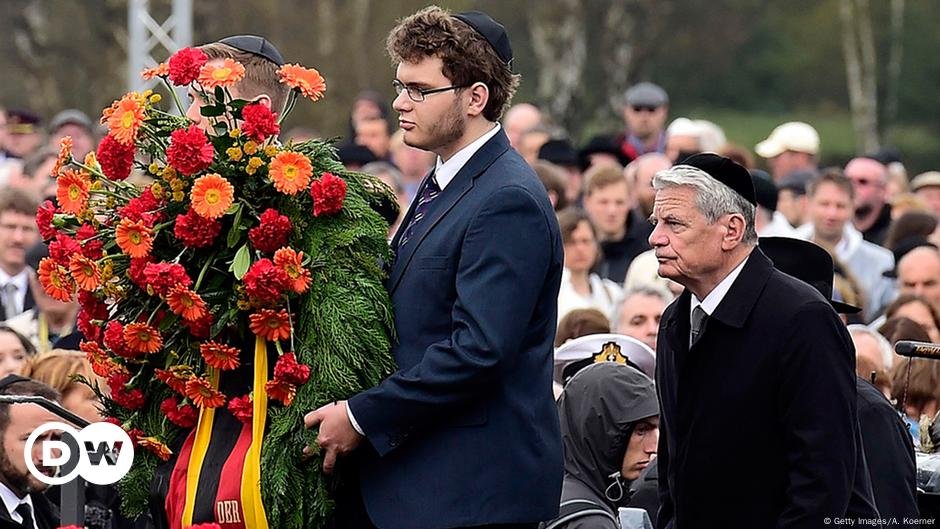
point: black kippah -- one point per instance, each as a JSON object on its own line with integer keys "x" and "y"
{"x": 255, "y": 44}
{"x": 492, "y": 31}
{"x": 726, "y": 171}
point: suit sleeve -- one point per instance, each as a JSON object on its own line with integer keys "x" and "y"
{"x": 502, "y": 270}
{"x": 816, "y": 405}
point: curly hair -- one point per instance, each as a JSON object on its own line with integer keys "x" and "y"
{"x": 466, "y": 55}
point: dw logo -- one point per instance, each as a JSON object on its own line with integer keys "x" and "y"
{"x": 102, "y": 453}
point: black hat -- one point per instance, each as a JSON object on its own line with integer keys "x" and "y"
{"x": 902, "y": 248}
{"x": 355, "y": 155}
{"x": 559, "y": 152}
{"x": 797, "y": 181}
{"x": 807, "y": 262}
{"x": 726, "y": 171}
{"x": 492, "y": 31}
{"x": 22, "y": 121}
{"x": 260, "y": 46}
{"x": 764, "y": 189}
{"x": 601, "y": 144}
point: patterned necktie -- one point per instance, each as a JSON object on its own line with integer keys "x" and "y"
{"x": 698, "y": 321}
{"x": 429, "y": 193}
{"x": 27, "y": 514}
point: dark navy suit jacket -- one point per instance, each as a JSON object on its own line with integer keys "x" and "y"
{"x": 466, "y": 432}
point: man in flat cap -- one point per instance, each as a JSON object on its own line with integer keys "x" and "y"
{"x": 465, "y": 433}
{"x": 778, "y": 339}
{"x": 646, "y": 107}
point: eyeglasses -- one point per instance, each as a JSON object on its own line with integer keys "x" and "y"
{"x": 418, "y": 94}
{"x": 644, "y": 108}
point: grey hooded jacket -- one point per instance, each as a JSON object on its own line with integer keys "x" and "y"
{"x": 598, "y": 410}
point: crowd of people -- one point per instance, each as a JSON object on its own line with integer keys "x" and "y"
{"x": 864, "y": 234}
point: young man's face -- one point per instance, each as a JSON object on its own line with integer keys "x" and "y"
{"x": 829, "y": 209}
{"x": 641, "y": 448}
{"x": 438, "y": 123}
{"x": 24, "y": 418}
{"x": 608, "y": 208}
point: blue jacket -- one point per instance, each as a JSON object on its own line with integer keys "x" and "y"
{"x": 466, "y": 432}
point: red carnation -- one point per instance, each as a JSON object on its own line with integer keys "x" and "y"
{"x": 328, "y": 193}
{"x": 114, "y": 340}
{"x": 241, "y": 408}
{"x": 136, "y": 271}
{"x": 196, "y": 231}
{"x": 200, "y": 328}
{"x": 89, "y": 329}
{"x": 184, "y": 417}
{"x": 131, "y": 399}
{"x": 288, "y": 370}
{"x": 90, "y": 249}
{"x": 115, "y": 158}
{"x": 273, "y": 233}
{"x": 44, "y": 216}
{"x": 164, "y": 276}
{"x": 185, "y": 64}
{"x": 91, "y": 309}
{"x": 62, "y": 249}
{"x": 190, "y": 151}
{"x": 259, "y": 122}
{"x": 265, "y": 282}
{"x": 146, "y": 208}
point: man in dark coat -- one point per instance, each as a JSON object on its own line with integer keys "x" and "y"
{"x": 749, "y": 360}
{"x": 465, "y": 433}
{"x": 609, "y": 428}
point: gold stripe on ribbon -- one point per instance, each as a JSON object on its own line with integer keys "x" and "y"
{"x": 251, "y": 472}
{"x": 198, "y": 454}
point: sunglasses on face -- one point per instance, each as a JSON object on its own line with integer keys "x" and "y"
{"x": 644, "y": 108}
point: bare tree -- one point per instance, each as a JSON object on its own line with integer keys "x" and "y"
{"x": 859, "y": 51}
{"x": 560, "y": 45}
{"x": 895, "y": 51}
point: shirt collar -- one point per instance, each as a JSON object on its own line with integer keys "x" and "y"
{"x": 713, "y": 299}
{"x": 11, "y": 502}
{"x": 21, "y": 280}
{"x": 444, "y": 172}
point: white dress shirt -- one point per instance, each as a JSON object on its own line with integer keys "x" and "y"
{"x": 713, "y": 298}
{"x": 11, "y": 502}
{"x": 444, "y": 173}
{"x": 21, "y": 282}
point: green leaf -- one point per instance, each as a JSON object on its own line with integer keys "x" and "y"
{"x": 235, "y": 233}
{"x": 241, "y": 262}
{"x": 212, "y": 111}
{"x": 219, "y": 95}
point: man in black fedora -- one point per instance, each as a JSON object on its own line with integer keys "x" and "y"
{"x": 748, "y": 359}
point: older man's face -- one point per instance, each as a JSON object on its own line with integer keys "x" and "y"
{"x": 687, "y": 247}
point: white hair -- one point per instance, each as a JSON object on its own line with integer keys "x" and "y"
{"x": 712, "y": 197}
{"x": 653, "y": 290}
{"x": 887, "y": 354}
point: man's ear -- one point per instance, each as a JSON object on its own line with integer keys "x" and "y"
{"x": 479, "y": 97}
{"x": 734, "y": 231}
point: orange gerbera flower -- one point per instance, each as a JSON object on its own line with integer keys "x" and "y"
{"x": 186, "y": 303}
{"x": 84, "y": 272}
{"x": 307, "y": 80}
{"x": 151, "y": 443}
{"x": 280, "y": 390}
{"x": 142, "y": 338}
{"x": 125, "y": 118}
{"x": 211, "y": 196}
{"x": 224, "y": 75}
{"x": 101, "y": 364}
{"x": 160, "y": 70}
{"x": 134, "y": 238}
{"x": 65, "y": 155}
{"x": 72, "y": 191}
{"x": 271, "y": 324}
{"x": 56, "y": 280}
{"x": 290, "y": 261}
{"x": 201, "y": 392}
{"x": 219, "y": 356}
{"x": 175, "y": 377}
{"x": 291, "y": 172}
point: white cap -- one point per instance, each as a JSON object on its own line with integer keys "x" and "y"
{"x": 683, "y": 127}
{"x": 594, "y": 344}
{"x": 791, "y": 136}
